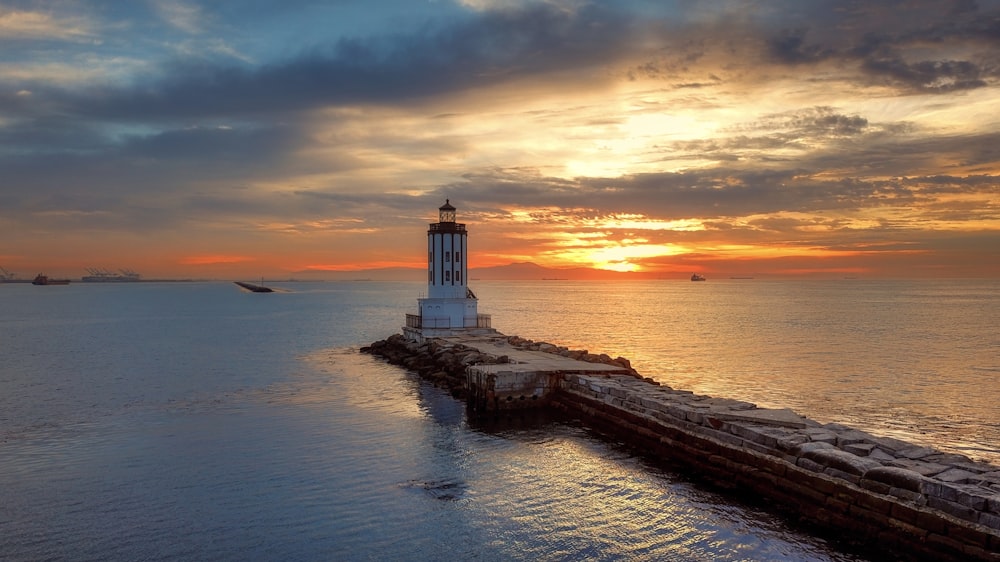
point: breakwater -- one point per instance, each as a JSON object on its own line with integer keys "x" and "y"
{"x": 911, "y": 501}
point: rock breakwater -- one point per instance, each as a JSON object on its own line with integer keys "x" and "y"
{"x": 445, "y": 361}
{"x": 910, "y": 501}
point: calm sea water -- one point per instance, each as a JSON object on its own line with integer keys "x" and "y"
{"x": 197, "y": 421}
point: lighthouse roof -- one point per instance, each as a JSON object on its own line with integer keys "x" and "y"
{"x": 447, "y": 206}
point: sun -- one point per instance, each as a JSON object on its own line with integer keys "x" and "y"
{"x": 622, "y": 257}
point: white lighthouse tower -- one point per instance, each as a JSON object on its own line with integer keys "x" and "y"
{"x": 450, "y": 308}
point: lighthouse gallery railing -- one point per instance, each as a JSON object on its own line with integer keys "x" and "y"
{"x": 416, "y": 321}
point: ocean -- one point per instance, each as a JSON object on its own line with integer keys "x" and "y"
{"x": 183, "y": 421}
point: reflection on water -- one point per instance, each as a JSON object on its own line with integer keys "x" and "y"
{"x": 913, "y": 359}
{"x": 178, "y": 422}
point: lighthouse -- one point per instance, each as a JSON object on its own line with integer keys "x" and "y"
{"x": 450, "y": 308}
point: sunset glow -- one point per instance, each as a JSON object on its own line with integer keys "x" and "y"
{"x": 202, "y": 139}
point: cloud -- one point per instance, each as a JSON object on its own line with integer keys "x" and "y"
{"x": 29, "y": 25}
{"x": 618, "y": 122}
{"x": 182, "y": 15}
{"x": 931, "y": 76}
{"x": 791, "y": 48}
{"x": 889, "y": 43}
{"x": 400, "y": 68}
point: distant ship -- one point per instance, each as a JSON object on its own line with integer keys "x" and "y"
{"x": 44, "y": 280}
{"x": 254, "y": 288}
{"x": 696, "y": 277}
{"x": 104, "y": 276}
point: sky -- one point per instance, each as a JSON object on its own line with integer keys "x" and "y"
{"x": 294, "y": 138}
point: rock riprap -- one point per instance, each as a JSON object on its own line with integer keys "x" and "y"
{"x": 911, "y": 501}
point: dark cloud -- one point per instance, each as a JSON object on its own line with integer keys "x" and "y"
{"x": 389, "y": 69}
{"x": 224, "y": 146}
{"x": 809, "y": 122}
{"x": 791, "y": 48}
{"x": 889, "y": 41}
{"x": 932, "y": 76}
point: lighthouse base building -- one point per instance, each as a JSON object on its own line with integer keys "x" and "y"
{"x": 450, "y": 308}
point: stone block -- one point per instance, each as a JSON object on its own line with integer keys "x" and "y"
{"x": 870, "y": 518}
{"x": 952, "y": 508}
{"x": 837, "y": 505}
{"x": 859, "y": 449}
{"x": 809, "y": 465}
{"x": 957, "y": 476}
{"x": 821, "y": 435}
{"x": 721, "y": 436}
{"x": 874, "y": 502}
{"x": 783, "y": 418}
{"x": 897, "y": 477}
{"x": 912, "y": 532}
{"x": 813, "y": 479}
{"x": 919, "y": 516}
{"x": 881, "y": 456}
{"x": 891, "y": 444}
{"x": 976, "y": 467}
{"x": 920, "y": 467}
{"x": 908, "y": 495}
{"x": 950, "y": 459}
{"x": 992, "y": 476}
{"x": 679, "y": 413}
{"x": 758, "y": 448}
{"x": 791, "y": 443}
{"x": 973, "y": 535}
{"x": 993, "y": 503}
{"x": 695, "y": 417}
{"x": 994, "y": 542}
{"x": 990, "y": 520}
{"x": 852, "y": 437}
{"x": 945, "y": 545}
{"x": 813, "y": 446}
{"x": 756, "y": 434}
{"x": 914, "y": 453}
{"x": 874, "y": 486}
{"x": 837, "y": 473}
{"x": 716, "y": 423}
{"x": 941, "y": 490}
{"x": 842, "y": 460}
{"x": 650, "y": 403}
{"x": 773, "y": 465}
{"x": 803, "y": 492}
{"x": 973, "y": 496}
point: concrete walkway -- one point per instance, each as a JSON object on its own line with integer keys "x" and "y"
{"x": 528, "y": 361}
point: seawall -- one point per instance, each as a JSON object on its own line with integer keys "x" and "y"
{"x": 909, "y": 501}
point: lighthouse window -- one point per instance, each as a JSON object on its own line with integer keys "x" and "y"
{"x": 458, "y": 276}
{"x": 430, "y": 257}
{"x": 458, "y": 257}
{"x": 447, "y": 276}
{"x": 430, "y": 277}
{"x": 447, "y": 256}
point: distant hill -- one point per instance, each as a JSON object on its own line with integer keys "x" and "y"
{"x": 379, "y": 274}
{"x": 529, "y": 270}
{"x": 522, "y": 271}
